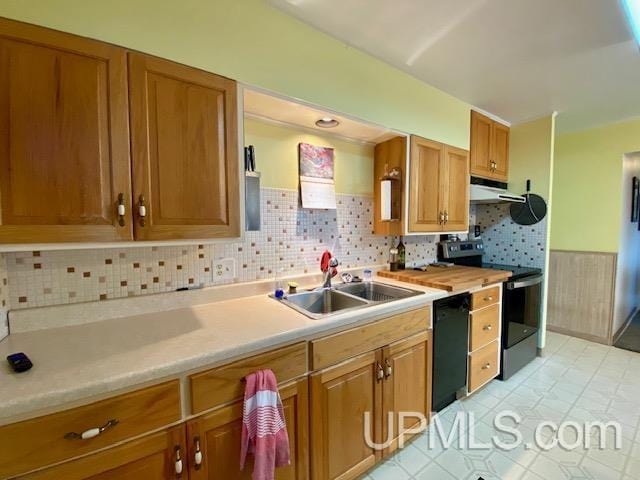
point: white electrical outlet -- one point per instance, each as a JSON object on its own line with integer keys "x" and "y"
{"x": 224, "y": 270}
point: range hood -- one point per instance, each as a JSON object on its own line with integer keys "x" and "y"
{"x": 490, "y": 191}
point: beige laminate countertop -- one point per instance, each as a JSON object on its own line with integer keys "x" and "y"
{"x": 77, "y": 364}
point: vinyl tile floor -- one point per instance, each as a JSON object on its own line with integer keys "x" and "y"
{"x": 576, "y": 381}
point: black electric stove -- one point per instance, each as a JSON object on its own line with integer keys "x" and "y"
{"x": 521, "y": 303}
{"x": 518, "y": 272}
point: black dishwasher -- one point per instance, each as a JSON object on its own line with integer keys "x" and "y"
{"x": 450, "y": 347}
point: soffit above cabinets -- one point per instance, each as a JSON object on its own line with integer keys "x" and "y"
{"x": 275, "y": 109}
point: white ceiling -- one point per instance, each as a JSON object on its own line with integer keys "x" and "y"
{"x": 518, "y": 59}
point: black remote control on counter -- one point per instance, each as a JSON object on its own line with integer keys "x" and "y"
{"x": 19, "y": 362}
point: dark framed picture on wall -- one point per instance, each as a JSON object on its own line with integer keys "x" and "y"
{"x": 635, "y": 191}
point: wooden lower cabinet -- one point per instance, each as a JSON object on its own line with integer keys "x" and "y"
{"x": 218, "y": 435}
{"x": 149, "y": 458}
{"x": 407, "y": 385}
{"x": 383, "y": 382}
{"x": 340, "y": 396}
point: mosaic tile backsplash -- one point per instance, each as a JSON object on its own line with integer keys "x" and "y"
{"x": 291, "y": 241}
{"x": 507, "y": 242}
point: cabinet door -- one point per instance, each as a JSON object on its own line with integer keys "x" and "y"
{"x": 500, "y": 151}
{"x": 425, "y": 195}
{"x": 340, "y": 396}
{"x": 407, "y": 385}
{"x": 455, "y": 188}
{"x": 184, "y": 138}
{"x": 481, "y": 140}
{"x": 150, "y": 457}
{"x": 64, "y": 138}
{"x": 218, "y": 435}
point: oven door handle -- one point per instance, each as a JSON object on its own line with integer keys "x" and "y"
{"x": 528, "y": 282}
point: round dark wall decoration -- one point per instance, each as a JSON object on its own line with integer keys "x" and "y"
{"x": 530, "y": 212}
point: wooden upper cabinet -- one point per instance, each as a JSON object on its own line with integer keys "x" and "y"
{"x": 426, "y": 198}
{"x": 151, "y": 457}
{"x": 480, "y": 160}
{"x": 184, "y": 137}
{"x": 500, "y": 155}
{"x": 456, "y": 189}
{"x": 217, "y": 435}
{"x": 64, "y": 137}
{"x": 489, "y": 148}
{"x": 438, "y": 188}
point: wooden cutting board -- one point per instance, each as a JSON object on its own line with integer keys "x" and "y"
{"x": 449, "y": 278}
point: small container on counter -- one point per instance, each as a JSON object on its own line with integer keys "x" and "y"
{"x": 393, "y": 259}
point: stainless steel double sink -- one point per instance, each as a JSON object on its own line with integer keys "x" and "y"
{"x": 321, "y": 303}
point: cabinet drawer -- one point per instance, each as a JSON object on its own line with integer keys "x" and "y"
{"x": 484, "y": 298}
{"x": 225, "y": 384}
{"x": 485, "y": 325}
{"x": 483, "y": 366}
{"x": 41, "y": 441}
{"x": 340, "y": 346}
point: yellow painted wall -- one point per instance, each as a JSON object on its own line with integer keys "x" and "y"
{"x": 587, "y": 200}
{"x": 252, "y": 42}
{"x": 530, "y": 156}
{"x": 277, "y": 157}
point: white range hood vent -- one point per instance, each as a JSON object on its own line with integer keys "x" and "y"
{"x": 491, "y": 191}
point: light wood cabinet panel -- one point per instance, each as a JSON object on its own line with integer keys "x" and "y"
{"x": 483, "y": 365}
{"x": 481, "y": 138}
{"x": 340, "y": 396}
{"x": 456, "y": 189}
{"x": 185, "y": 151}
{"x": 152, "y": 457}
{"x": 390, "y": 154}
{"x": 64, "y": 137}
{"x": 500, "y": 155}
{"x": 426, "y": 197}
{"x": 335, "y": 348}
{"x": 225, "y": 384}
{"x": 219, "y": 434}
{"x": 41, "y": 441}
{"x": 484, "y": 327}
{"x": 407, "y": 385}
{"x": 485, "y": 297}
{"x": 439, "y": 187}
{"x": 489, "y": 156}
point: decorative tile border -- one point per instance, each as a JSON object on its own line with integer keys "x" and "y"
{"x": 291, "y": 241}
{"x": 507, "y": 242}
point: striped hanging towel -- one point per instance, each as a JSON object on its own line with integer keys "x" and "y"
{"x": 264, "y": 432}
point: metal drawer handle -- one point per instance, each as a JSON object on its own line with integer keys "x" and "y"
{"x": 121, "y": 210}
{"x": 92, "y": 432}
{"x": 388, "y": 369}
{"x": 142, "y": 211}
{"x": 486, "y": 366}
{"x": 178, "y": 464}
{"x": 197, "y": 456}
{"x": 487, "y": 327}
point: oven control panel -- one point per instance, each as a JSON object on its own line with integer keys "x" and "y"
{"x": 460, "y": 249}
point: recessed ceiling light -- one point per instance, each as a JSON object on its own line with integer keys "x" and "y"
{"x": 632, "y": 9}
{"x": 327, "y": 122}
